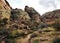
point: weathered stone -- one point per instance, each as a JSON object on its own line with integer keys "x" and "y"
{"x": 5, "y": 9}
{"x": 33, "y": 14}
{"x": 50, "y": 17}
{"x": 19, "y": 14}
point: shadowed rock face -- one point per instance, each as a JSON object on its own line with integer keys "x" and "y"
{"x": 33, "y": 14}
{"x": 19, "y": 14}
{"x": 19, "y": 19}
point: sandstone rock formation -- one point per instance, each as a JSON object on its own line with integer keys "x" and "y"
{"x": 33, "y": 14}
{"x": 50, "y": 17}
{"x": 5, "y": 9}
{"x": 27, "y": 25}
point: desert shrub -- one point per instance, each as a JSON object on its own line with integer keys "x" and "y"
{"x": 34, "y": 28}
{"x": 57, "y": 24}
{"x": 33, "y": 35}
{"x": 3, "y": 22}
{"x": 33, "y": 25}
{"x": 12, "y": 34}
{"x": 20, "y": 33}
{"x": 16, "y": 33}
{"x": 4, "y": 31}
{"x": 10, "y": 41}
{"x": 42, "y": 25}
{"x": 36, "y": 41}
{"x": 56, "y": 40}
{"x": 13, "y": 16}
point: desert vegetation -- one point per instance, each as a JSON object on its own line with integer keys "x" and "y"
{"x": 28, "y": 26}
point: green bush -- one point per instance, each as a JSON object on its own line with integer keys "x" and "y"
{"x": 16, "y": 33}
{"x": 56, "y": 40}
{"x": 10, "y": 41}
{"x": 4, "y": 31}
{"x": 3, "y": 22}
{"x": 36, "y": 41}
{"x": 57, "y": 24}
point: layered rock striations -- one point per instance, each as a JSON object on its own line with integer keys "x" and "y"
{"x": 25, "y": 26}
{"x": 5, "y": 9}
{"x": 33, "y": 14}
{"x": 51, "y": 17}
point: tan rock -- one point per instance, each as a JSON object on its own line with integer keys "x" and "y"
{"x": 5, "y": 9}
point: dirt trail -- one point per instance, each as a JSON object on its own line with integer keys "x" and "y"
{"x": 44, "y": 38}
{"x": 24, "y": 40}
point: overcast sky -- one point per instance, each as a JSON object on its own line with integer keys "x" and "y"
{"x": 41, "y": 6}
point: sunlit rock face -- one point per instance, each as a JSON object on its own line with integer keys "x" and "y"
{"x": 5, "y": 9}
{"x": 51, "y": 17}
{"x": 33, "y": 14}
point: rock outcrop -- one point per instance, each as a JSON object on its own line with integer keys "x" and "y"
{"x": 24, "y": 26}
{"x": 33, "y": 14}
{"x": 19, "y": 19}
{"x": 5, "y": 9}
{"x": 50, "y": 17}
{"x": 19, "y": 14}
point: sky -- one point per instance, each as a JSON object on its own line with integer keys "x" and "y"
{"x": 41, "y": 6}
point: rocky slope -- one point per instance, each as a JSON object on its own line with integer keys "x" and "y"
{"x": 19, "y": 19}
{"x": 50, "y": 17}
{"x": 25, "y": 26}
{"x": 33, "y": 14}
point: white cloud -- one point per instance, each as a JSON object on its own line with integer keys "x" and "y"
{"x": 48, "y": 3}
{"x": 40, "y": 5}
